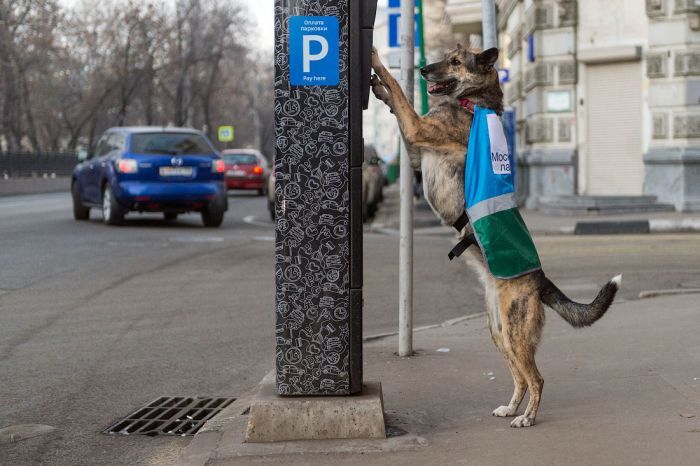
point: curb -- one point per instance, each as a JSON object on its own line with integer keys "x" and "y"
{"x": 632, "y": 227}
{"x": 447, "y": 323}
{"x": 605, "y": 227}
{"x": 670, "y": 292}
{"x": 426, "y": 231}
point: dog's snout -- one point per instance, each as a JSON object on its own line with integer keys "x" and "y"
{"x": 424, "y": 71}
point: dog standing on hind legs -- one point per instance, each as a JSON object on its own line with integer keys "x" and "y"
{"x": 437, "y": 143}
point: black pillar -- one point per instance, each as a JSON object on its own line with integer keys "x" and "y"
{"x": 322, "y": 58}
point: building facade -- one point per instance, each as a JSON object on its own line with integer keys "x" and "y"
{"x": 606, "y": 94}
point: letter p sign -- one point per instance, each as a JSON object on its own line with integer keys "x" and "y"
{"x": 308, "y": 57}
{"x": 314, "y": 51}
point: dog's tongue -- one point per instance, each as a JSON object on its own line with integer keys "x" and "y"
{"x": 437, "y": 87}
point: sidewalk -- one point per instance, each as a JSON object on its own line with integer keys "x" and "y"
{"x": 426, "y": 223}
{"x": 626, "y": 391}
{"x": 20, "y": 186}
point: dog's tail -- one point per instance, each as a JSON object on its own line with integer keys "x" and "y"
{"x": 580, "y": 315}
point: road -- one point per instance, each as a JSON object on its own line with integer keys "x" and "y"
{"x": 98, "y": 320}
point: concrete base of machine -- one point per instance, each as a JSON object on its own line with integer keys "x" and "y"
{"x": 275, "y": 418}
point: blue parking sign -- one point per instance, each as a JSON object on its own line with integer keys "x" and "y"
{"x": 397, "y": 3}
{"x": 314, "y": 51}
{"x": 394, "y": 26}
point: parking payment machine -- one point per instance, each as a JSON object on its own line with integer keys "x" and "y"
{"x": 322, "y": 73}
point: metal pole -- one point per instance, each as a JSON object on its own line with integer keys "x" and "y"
{"x": 421, "y": 59}
{"x": 406, "y": 191}
{"x": 488, "y": 24}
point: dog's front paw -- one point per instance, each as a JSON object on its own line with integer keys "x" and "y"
{"x": 523, "y": 421}
{"x": 504, "y": 411}
{"x": 379, "y": 90}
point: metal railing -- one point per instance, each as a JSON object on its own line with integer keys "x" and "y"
{"x": 36, "y": 164}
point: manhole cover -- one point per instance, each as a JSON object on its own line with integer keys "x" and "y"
{"x": 170, "y": 415}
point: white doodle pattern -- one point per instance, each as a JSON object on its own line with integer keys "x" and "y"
{"x": 312, "y": 251}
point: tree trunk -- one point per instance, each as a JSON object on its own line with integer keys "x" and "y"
{"x": 28, "y": 112}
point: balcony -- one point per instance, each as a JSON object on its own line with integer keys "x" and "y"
{"x": 465, "y": 16}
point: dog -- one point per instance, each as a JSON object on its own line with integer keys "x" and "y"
{"x": 437, "y": 143}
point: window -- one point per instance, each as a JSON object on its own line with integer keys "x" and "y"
{"x": 170, "y": 144}
{"x": 241, "y": 159}
{"x": 103, "y": 147}
{"x": 116, "y": 141}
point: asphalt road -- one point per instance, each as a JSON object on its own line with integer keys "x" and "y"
{"x": 95, "y": 321}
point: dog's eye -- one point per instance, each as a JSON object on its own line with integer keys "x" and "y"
{"x": 454, "y": 62}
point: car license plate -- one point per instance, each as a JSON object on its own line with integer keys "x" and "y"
{"x": 175, "y": 171}
{"x": 235, "y": 173}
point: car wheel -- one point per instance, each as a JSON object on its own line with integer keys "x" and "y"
{"x": 169, "y": 216}
{"x": 261, "y": 192}
{"x": 213, "y": 216}
{"x": 80, "y": 212}
{"x": 112, "y": 213}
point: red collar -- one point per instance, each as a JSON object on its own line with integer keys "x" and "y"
{"x": 467, "y": 104}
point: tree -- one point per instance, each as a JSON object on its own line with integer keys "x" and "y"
{"x": 66, "y": 75}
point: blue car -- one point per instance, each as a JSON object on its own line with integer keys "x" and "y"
{"x": 151, "y": 169}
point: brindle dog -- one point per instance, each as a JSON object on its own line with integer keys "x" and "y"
{"x": 437, "y": 142}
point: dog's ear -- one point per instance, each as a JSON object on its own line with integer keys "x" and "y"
{"x": 487, "y": 58}
{"x": 460, "y": 46}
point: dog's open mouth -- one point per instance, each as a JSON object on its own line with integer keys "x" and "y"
{"x": 442, "y": 87}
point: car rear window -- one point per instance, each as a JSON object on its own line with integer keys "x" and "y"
{"x": 241, "y": 159}
{"x": 170, "y": 143}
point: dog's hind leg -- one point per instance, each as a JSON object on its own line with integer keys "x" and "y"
{"x": 535, "y": 382}
{"x": 520, "y": 387}
{"x": 496, "y": 329}
{"x": 523, "y": 318}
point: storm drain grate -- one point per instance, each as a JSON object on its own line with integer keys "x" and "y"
{"x": 170, "y": 415}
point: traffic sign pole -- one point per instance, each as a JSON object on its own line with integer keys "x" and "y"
{"x": 488, "y": 24}
{"x": 421, "y": 60}
{"x": 406, "y": 192}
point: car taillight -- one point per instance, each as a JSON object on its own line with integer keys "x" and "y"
{"x": 127, "y": 166}
{"x": 257, "y": 170}
{"x": 218, "y": 166}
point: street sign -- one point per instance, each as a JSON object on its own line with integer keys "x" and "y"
{"x": 395, "y": 30}
{"x": 225, "y": 133}
{"x": 397, "y": 3}
{"x": 314, "y": 51}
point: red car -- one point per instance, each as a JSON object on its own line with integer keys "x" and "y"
{"x": 246, "y": 169}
